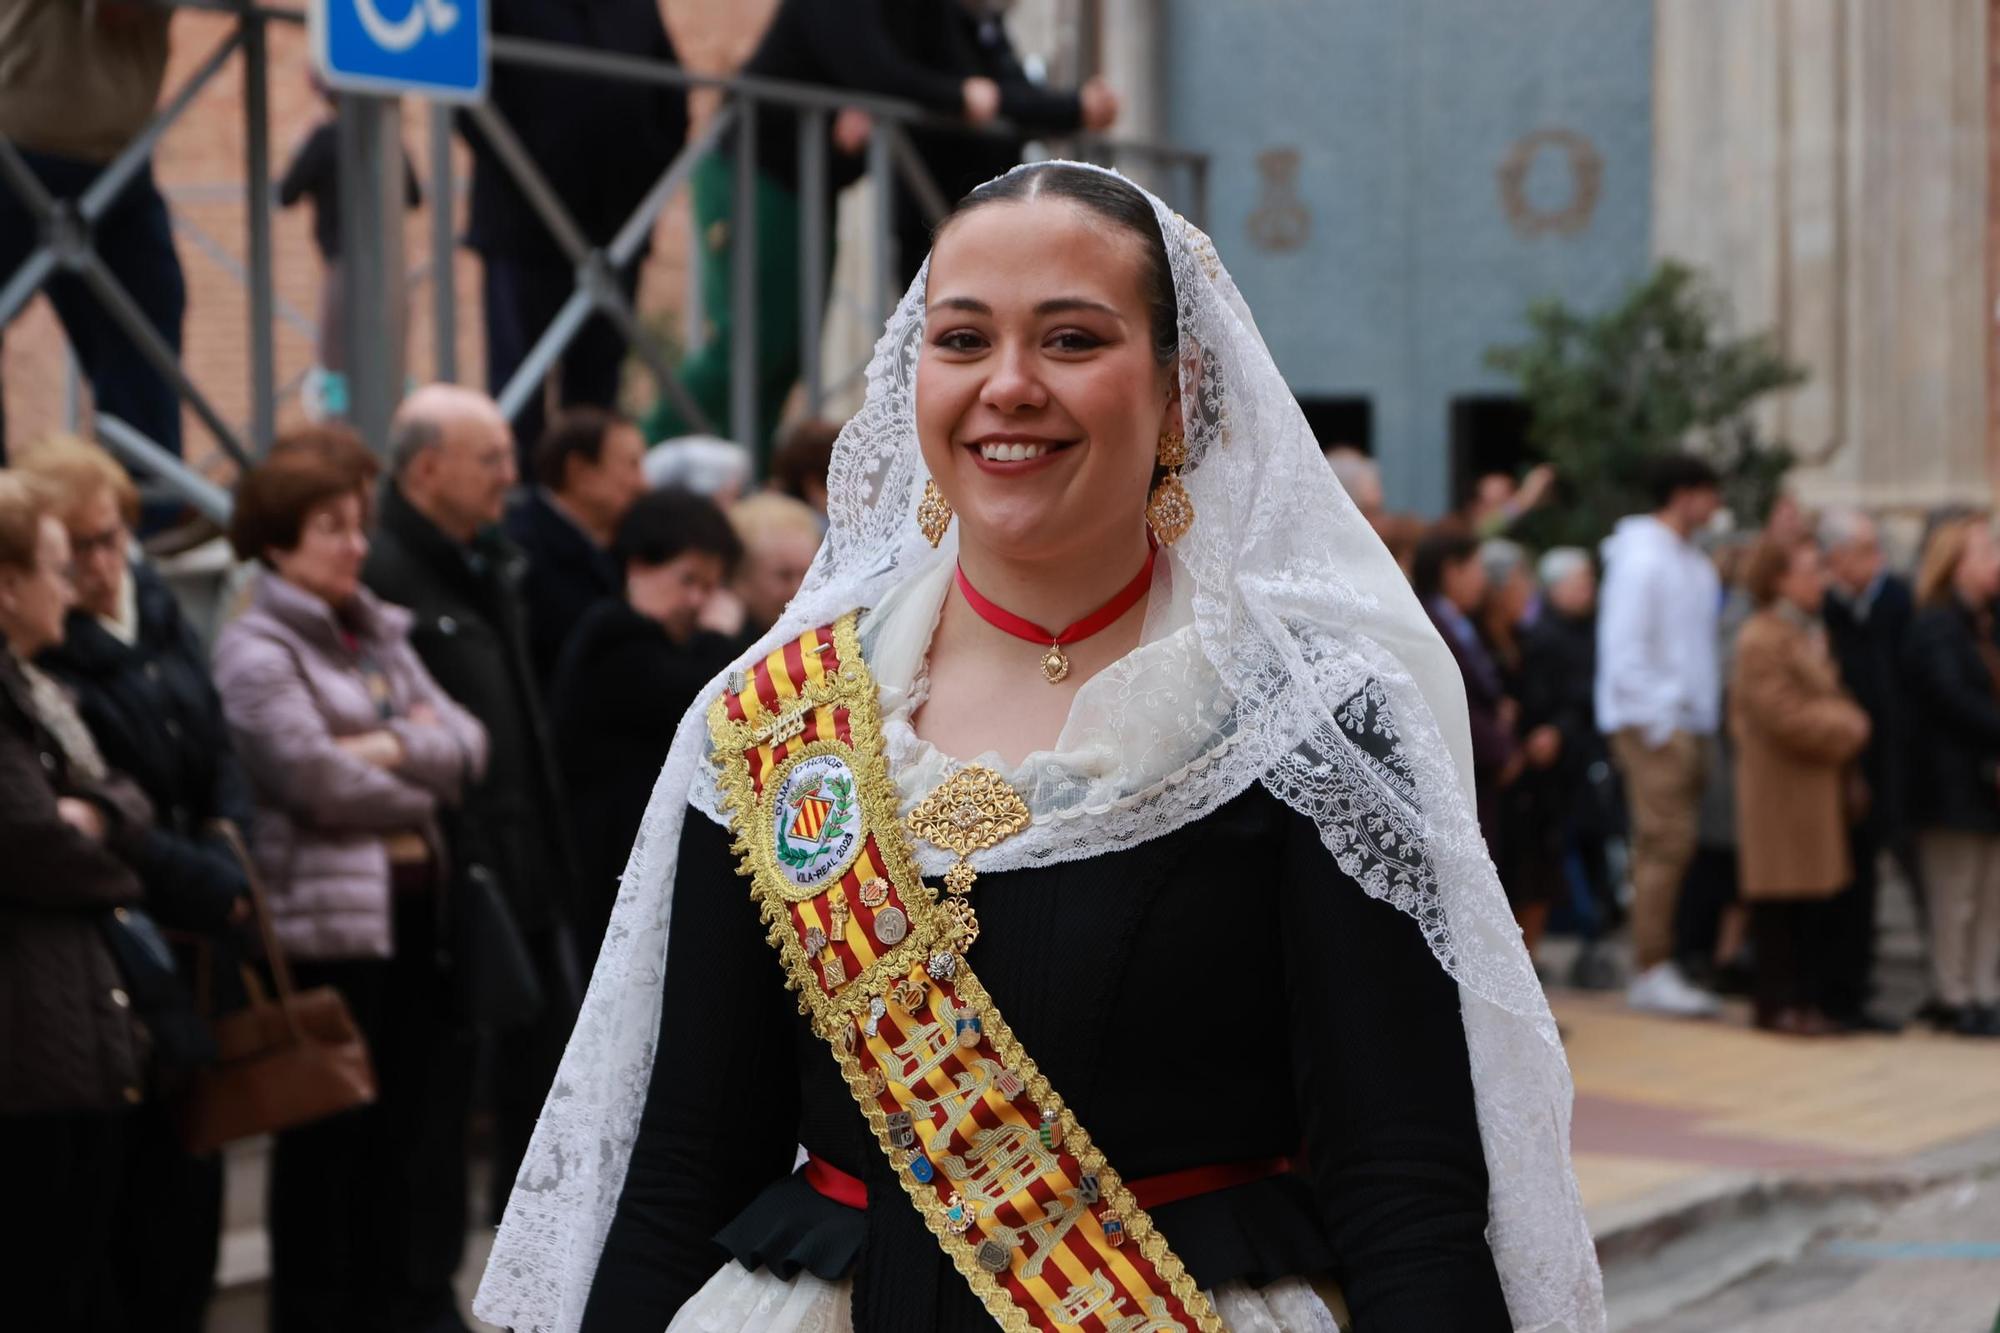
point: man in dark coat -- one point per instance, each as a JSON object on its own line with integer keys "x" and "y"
{"x": 630, "y": 671}
{"x": 438, "y": 551}
{"x": 1867, "y": 614}
{"x": 601, "y": 143}
{"x": 587, "y": 475}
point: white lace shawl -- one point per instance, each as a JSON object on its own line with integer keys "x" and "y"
{"x": 1293, "y": 652}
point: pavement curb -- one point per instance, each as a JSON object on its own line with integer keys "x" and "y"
{"x": 1679, "y": 1246}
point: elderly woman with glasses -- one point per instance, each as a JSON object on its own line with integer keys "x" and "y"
{"x": 72, "y": 1048}
{"x": 142, "y": 685}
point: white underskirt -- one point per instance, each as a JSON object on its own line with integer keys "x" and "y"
{"x": 738, "y": 1300}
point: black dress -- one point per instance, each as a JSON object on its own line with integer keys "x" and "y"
{"x": 1219, "y": 994}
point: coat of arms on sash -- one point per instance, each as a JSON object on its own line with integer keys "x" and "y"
{"x": 816, "y": 823}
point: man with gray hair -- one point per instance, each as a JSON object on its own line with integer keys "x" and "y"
{"x": 439, "y": 551}
{"x": 1866, "y": 613}
{"x": 1360, "y": 476}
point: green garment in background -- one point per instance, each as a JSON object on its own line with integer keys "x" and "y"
{"x": 704, "y": 373}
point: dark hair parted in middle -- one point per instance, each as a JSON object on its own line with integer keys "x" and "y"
{"x": 1115, "y": 200}
{"x": 576, "y": 432}
{"x": 305, "y": 469}
{"x": 668, "y": 523}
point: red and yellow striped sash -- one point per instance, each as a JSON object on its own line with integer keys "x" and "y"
{"x": 1040, "y": 1225}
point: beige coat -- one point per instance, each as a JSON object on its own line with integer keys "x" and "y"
{"x": 79, "y": 78}
{"x": 1796, "y": 731}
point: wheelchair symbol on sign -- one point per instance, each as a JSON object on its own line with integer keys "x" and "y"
{"x": 438, "y": 16}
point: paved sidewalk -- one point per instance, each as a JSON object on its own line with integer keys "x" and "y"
{"x": 1671, "y": 1110}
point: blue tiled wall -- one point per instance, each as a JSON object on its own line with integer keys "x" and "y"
{"x": 1403, "y": 112}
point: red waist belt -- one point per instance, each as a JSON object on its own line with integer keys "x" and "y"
{"x": 1152, "y": 1192}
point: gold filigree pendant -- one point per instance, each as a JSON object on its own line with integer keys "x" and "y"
{"x": 1055, "y": 664}
{"x": 933, "y": 513}
{"x": 1171, "y": 510}
{"x": 970, "y": 811}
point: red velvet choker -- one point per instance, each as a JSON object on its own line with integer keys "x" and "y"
{"x": 1055, "y": 663}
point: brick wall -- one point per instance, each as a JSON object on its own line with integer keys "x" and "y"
{"x": 200, "y": 168}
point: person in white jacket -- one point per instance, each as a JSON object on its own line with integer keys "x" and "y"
{"x": 1658, "y": 697}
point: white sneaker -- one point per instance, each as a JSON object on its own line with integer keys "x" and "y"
{"x": 1661, "y": 989}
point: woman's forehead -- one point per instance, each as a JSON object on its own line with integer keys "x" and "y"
{"x": 1020, "y": 252}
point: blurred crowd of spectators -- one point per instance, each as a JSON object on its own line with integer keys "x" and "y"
{"x": 440, "y": 696}
{"x": 1728, "y": 746}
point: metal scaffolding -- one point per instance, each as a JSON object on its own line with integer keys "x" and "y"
{"x": 372, "y": 261}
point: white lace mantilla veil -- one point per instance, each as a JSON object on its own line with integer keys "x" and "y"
{"x": 1338, "y": 695}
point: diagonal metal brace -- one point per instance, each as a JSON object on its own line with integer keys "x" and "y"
{"x": 597, "y": 288}
{"x": 64, "y": 223}
{"x": 541, "y": 196}
{"x": 67, "y": 242}
{"x": 118, "y": 302}
{"x": 143, "y": 455}
{"x": 910, "y": 167}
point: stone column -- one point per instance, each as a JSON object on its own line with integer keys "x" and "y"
{"x": 1992, "y": 292}
{"x": 1132, "y": 50}
{"x": 1825, "y": 163}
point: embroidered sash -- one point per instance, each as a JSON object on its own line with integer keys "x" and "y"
{"x": 1025, "y": 1205}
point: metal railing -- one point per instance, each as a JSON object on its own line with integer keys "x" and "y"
{"x": 67, "y": 244}
{"x": 371, "y": 171}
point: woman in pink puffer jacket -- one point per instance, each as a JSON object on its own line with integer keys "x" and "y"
{"x": 352, "y": 749}
{"x": 349, "y": 744}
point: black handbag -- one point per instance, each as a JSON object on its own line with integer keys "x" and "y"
{"x": 160, "y": 995}
{"x": 493, "y": 976}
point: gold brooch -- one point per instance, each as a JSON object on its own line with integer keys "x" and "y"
{"x": 972, "y": 810}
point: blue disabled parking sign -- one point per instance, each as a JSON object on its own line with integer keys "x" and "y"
{"x": 434, "y": 48}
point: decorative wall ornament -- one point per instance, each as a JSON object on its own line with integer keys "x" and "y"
{"x": 1586, "y": 179}
{"x": 1281, "y": 221}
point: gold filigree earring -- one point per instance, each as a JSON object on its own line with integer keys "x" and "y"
{"x": 1170, "y": 511}
{"x": 933, "y": 513}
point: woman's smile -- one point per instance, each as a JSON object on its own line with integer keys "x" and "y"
{"x": 1009, "y": 454}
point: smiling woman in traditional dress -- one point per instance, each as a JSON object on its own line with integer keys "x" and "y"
{"x": 1118, "y": 939}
